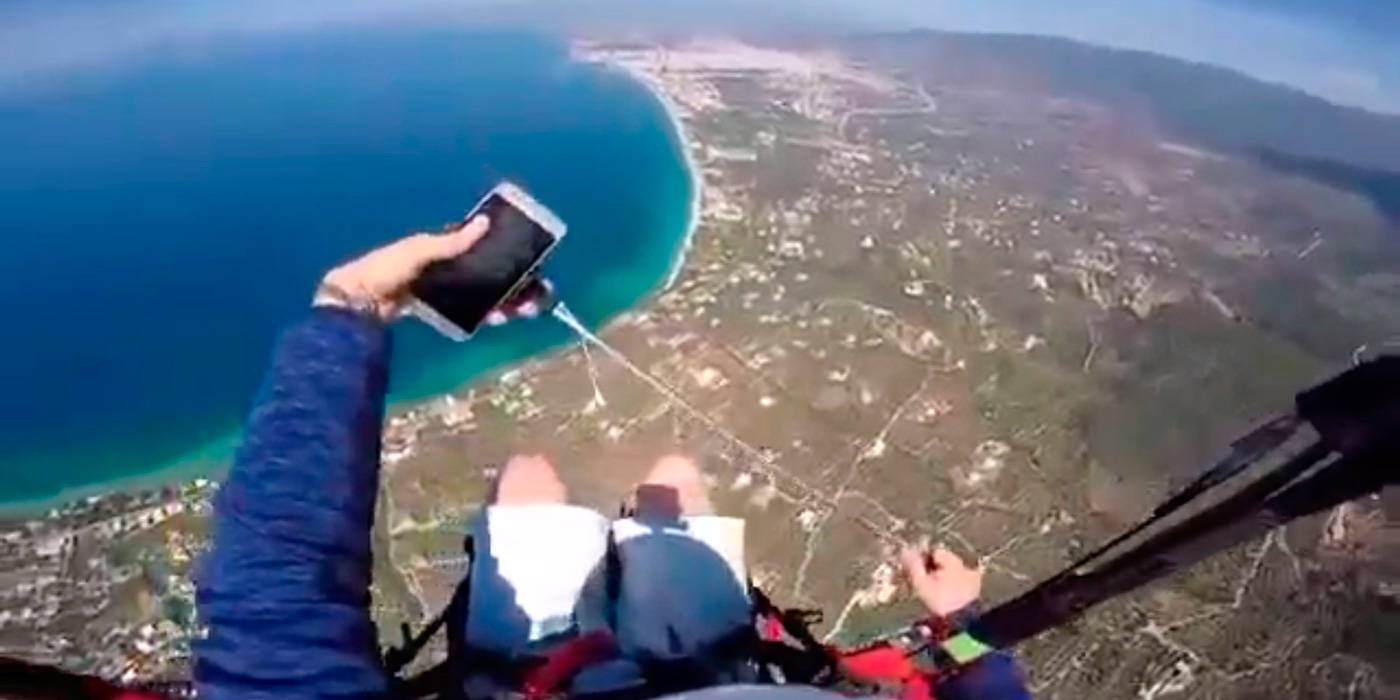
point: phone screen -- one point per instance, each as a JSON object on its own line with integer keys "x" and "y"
{"x": 464, "y": 289}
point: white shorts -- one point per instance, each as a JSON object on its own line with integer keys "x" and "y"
{"x": 541, "y": 571}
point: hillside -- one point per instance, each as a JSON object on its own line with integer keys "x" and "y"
{"x": 1215, "y": 106}
{"x": 1346, "y": 147}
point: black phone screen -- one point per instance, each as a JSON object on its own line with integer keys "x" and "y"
{"x": 464, "y": 289}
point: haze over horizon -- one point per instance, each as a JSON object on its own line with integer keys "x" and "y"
{"x": 1337, "y": 51}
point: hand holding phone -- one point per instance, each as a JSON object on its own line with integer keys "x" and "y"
{"x": 479, "y": 272}
{"x": 377, "y": 282}
{"x": 457, "y": 295}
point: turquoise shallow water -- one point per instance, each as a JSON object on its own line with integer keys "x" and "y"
{"x": 162, "y": 218}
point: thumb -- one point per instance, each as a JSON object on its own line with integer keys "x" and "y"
{"x": 914, "y": 564}
{"x": 944, "y": 558}
{"x": 450, "y": 245}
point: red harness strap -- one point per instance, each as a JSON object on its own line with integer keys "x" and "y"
{"x": 898, "y": 662}
{"x": 890, "y": 666}
{"x": 562, "y": 662}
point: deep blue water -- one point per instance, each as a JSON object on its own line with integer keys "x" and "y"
{"x": 162, "y": 218}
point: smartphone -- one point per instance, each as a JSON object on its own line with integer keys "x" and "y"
{"x": 454, "y": 296}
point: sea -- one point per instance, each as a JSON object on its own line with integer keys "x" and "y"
{"x": 162, "y": 216}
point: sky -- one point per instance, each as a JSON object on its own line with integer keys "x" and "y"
{"x": 1342, "y": 50}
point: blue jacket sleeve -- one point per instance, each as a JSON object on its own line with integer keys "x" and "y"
{"x": 996, "y": 676}
{"x": 285, "y": 589}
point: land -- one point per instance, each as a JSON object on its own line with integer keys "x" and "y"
{"x": 938, "y": 291}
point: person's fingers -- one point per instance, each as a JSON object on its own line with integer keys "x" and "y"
{"x": 914, "y": 564}
{"x": 511, "y": 310}
{"x": 940, "y": 578}
{"x": 529, "y": 302}
{"x": 534, "y": 290}
{"x": 944, "y": 559}
{"x": 923, "y": 581}
{"x": 450, "y": 245}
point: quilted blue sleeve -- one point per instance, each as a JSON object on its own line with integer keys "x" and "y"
{"x": 996, "y": 676}
{"x": 285, "y": 589}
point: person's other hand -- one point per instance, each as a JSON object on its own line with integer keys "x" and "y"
{"x": 377, "y": 282}
{"x": 534, "y": 296}
{"x": 941, "y": 579}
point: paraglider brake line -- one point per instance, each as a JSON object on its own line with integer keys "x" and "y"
{"x": 1354, "y": 420}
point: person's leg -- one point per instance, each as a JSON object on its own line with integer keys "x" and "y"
{"x": 674, "y": 487}
{"x": 674, "y": 495}
{"x": 533, "y": 554}
{"x": 683, "y": 596}
{"x": 528, "y": 480}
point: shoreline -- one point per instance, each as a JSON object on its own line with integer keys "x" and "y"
{"x": 581, "y": 52}
{"x": 212, "y": 459}
{"x": 207, "y": 461}
{"x": 695, "y": 208}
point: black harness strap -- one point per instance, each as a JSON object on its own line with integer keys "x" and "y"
{"x": 442, "y": 680}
